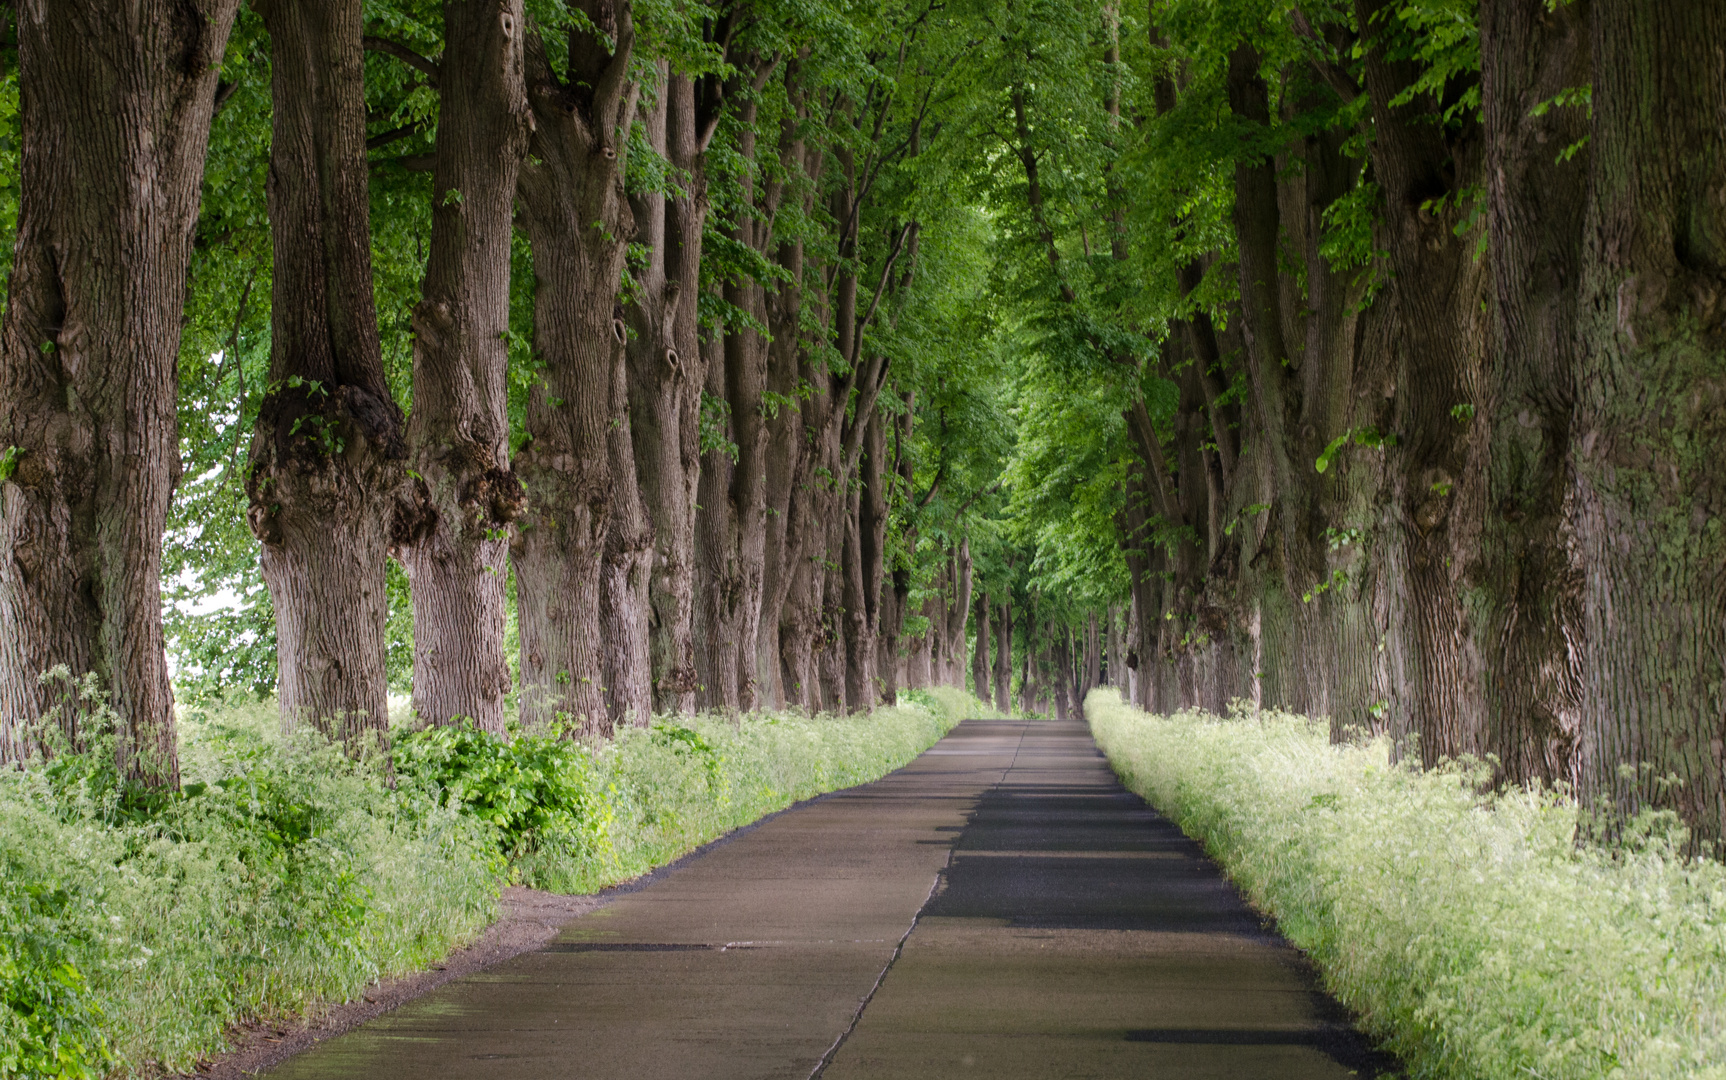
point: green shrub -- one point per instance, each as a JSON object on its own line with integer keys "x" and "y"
{"x": 1471, "y": 930}
{"x": 284, "y": 874}
{"x": 48, "y": 1024}
{"x": 533, "y": 789}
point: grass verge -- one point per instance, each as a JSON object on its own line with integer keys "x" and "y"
{"x": 135, "y": 931}
{"x": 1471, "y": 931}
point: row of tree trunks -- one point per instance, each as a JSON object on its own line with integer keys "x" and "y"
{"x": 667, "y": 371}
{"x": 602, "y": 495}
{"x": 1506, "y": 553}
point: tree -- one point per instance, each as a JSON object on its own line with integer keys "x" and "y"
{"x": 578, "y": 222}
{"x": 451, "y": 535}
{"x": 327, "y": 455}
{"x": 1650, "y": 429}
{"x": 115, "y": 111}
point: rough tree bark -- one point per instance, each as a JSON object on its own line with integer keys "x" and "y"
{"x": 625, "y": 612}
{"x": 1531, "y": 597}
{"x": 115, "y": 108}
{"x": 667, "y": 372}
{"x": 807, "y": 523}
{"x": 1436, "y": 468}
{"x": 786, "y": 465}
{"x": 455, "y": 545}
{"x": 957, "y": 613}
{"x": 896, "y": 586}
{"x": 731, "y": 525}
{"x": 865, "y": 567}
{"x": 578, "y": 223}
{"x": 1651, "y": 412}
{"x": 980, "y": 651}
{"x": 326, "y": 463}
{"x": 794, "y": 444}
{"x": 1003, "y": 669}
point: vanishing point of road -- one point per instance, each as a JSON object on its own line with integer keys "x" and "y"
{"x": 1001, "y": 907}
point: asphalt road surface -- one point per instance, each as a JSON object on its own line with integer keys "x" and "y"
{"x": 1001, "y": 907}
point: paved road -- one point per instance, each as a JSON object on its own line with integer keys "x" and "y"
{"x": 1001, "y": 907}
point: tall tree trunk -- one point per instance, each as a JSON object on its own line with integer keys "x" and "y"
{"x": 1437, "y": 474}
{"x": 859, "y": 640}
{"x": 625, "y": 612}
{"x": 1093, "y": 652}
{"x": 745, "y": 379}
{"x": 455, "y": 547}
{"x": 1027, "y": 678}
{"x": 785, "y": 457}
{"x": 729, "y": 577}
{"x": 808, "y": 521}
{"x": 830, "y": 657}
{"x": 923, "y": 651}
{"x": 1131, "y": 686}
{"x": 1061, "y": 658}
{"x": 866, "y": 564}
{"x": 1133, "y": 525}
{"x": 326, "y": 461}
{"x": 980, "y": 652}
{"x": 1004, "y": 658}
{"x": 1651, "y": 413}
{"x": 1110, "y": 647}
{"x": 896, "y": 580}
{"x": 1299, "y": 372}
{"x": 1537, "y": 201}
{"x": 718, "y": 578}
{"x": 578, "y": 223}
{"x": 666, "y": 374}
{"x": 957, "y": 613}
{"x": 115, "y": 111}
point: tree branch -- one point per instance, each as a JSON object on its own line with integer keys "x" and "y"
{"x": 373, "y": 43}
{"x": 393, "y": 135}
{"x": 934, "y": 486}
{"x": 881, "y": 285}
{"x": 1334, "y": 76}
{"x": 990, "y": 490}
{"x": 614, "y": 83}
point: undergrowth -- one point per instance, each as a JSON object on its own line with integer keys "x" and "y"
{"x": 1471, "y": 930}
{"x": 137, "y": 929}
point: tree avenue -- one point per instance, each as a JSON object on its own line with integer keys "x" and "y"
{"x": 579, "y": 363}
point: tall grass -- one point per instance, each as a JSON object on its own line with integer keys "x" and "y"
{"x": 135, "y": 931}
{"x": 673, "y": 787}
{"x": 1471, "y": 930}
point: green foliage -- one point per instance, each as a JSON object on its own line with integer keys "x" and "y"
{"x": 49, "y": 1025}
{"x": 1367, "y": 436}
{"x": 142, "y": 926}
{"x": 533, "y": 789}
{"x": 1469, "y": 928}
{"x": 10, "y": 191}
{"x": 715, "y": 427}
